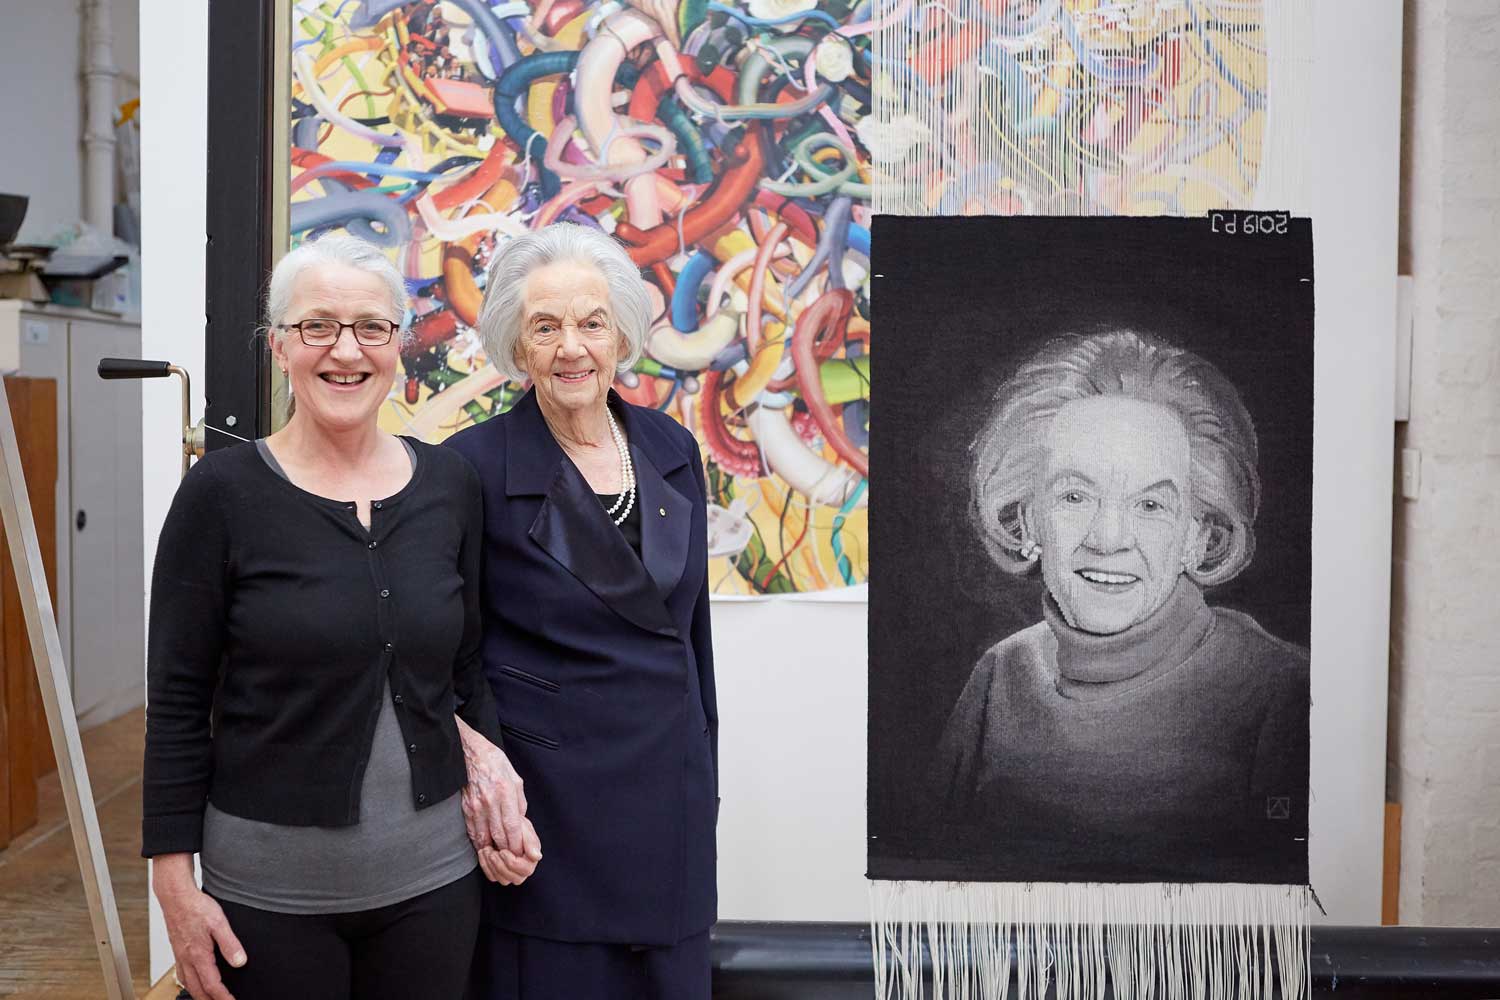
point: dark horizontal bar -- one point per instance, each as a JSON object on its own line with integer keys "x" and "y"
{"x": 133, "y": 368}
{"x": 831, "y": 961}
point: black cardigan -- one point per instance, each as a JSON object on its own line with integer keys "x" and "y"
{"x": 276, "y": 619}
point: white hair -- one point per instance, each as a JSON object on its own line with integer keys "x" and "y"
{"x": 500, "y": 319}
{"x": 1225, "y": 476}
{"x": 334, "y": 248}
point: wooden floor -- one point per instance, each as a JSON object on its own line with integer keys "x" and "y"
{"x": 46, "y": 941}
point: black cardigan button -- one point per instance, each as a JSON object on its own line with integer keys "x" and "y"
{"x": 411, "y": 748}
{"x": 385, "y": 593}
{"x": 421, "y": 797}
{"x": 397, "y": 700}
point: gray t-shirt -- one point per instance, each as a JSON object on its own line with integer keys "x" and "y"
{"x": 394, "y": 853}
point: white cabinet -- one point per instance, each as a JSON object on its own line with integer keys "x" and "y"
{"x": 100, "y": 585}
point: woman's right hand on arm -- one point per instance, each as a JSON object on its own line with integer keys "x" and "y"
{"x": 500, "y": 865}
{"x": 494, "y": 799}
{"x": 494, "y": 808}
{"x": 195, "y": 924}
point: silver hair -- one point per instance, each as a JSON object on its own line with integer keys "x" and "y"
{"x": 1009, "y": 451}
{"x": 334, "y": 248}
{"x": 500, "y": 318}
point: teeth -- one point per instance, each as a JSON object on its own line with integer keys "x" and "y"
{"x": 1096, "y": 576}
{"x": 344, "y": 379}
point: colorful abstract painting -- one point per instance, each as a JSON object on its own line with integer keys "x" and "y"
{"x": 716, "y": 141}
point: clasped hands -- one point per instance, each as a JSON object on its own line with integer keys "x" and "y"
{"x": 494, "y": 806}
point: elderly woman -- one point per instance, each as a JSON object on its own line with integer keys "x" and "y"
{"x": 314, "y": 625}
{"x": 596, "y": 638}
{"x": 1134, "y": 716}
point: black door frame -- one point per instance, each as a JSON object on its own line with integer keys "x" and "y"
{"x": 240, "y": 239}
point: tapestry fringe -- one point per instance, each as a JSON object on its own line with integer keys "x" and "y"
{"x": 1150, "y": 941}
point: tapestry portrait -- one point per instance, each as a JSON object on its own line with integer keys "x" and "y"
{"x": 1091, "y": 550}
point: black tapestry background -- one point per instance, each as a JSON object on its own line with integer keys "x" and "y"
{"x": 962, "y": 302}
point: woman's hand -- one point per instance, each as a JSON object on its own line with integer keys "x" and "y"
{"x": 195, "y": 924}
{"x": 500, "y": 865}
{"x": 494, "y": 805}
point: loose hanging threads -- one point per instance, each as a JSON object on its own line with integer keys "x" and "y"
{"x": 992, "y": 941}
{"x": 1065, "y": 108}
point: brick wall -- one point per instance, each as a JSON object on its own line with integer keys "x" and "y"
{"x": 1444, "y": 764}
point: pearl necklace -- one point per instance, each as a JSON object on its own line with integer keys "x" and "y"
{"x": 627, "y": 472}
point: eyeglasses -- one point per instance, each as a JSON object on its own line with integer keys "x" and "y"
{"x": 320, "y": 332}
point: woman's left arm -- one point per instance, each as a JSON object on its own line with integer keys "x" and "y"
{"x": 475, "y": 700}
{"x": 494, "y": 807}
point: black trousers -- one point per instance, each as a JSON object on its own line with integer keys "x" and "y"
{"x": 419, "y": 948}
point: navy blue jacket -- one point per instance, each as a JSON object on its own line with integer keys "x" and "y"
{"x": 602, "y": 669}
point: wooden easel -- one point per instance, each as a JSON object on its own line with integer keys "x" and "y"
{"x": 46, "y": 653}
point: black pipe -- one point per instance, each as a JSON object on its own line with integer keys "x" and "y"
{"x": 828, "y": 961}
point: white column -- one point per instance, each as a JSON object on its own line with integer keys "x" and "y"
{"x": 99, "y": 129}
{"x": 174, "y": 188}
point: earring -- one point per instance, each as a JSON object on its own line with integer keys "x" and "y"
{"x": 1031, "y": 550}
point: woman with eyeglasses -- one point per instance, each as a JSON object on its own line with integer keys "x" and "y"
{"x": 319, "y": 730}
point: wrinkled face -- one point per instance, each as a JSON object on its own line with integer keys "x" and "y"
{"x": 1111, "y": 511}
{"x": 569, "y": 345}
{"x": 343, "y": 386}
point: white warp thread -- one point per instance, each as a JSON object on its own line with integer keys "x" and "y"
{"x": 1056, "y": 107}
{"x": 1149, "y": 941}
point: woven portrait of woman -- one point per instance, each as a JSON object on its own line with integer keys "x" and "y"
{"x": 1104, "y": 647}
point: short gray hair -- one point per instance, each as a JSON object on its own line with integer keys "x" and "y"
{"x": 334, "y": 248}
{"x": 1009, "y": 452}
{"x": 500, "y": 319}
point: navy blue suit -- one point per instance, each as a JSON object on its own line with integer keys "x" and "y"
{"x": 602, "y": 669}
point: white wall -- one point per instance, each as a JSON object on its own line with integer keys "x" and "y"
{"x": 1353, "y": 145}
{"x": 792, "y": 706}
{"x": 42, "y": 113}
{"x": 1445, "y": 637}
{"x": 174, "y": 114}
{"x": 126, "y": 17}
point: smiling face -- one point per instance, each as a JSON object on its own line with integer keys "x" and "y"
{"x": 340, "y": 387}
{"x": 569, "y": 345}
{"x": 1112, "y": 511}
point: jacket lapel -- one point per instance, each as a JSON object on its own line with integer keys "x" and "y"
{"x": 666, "y": 515}
{"x": 572, "y": 527}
